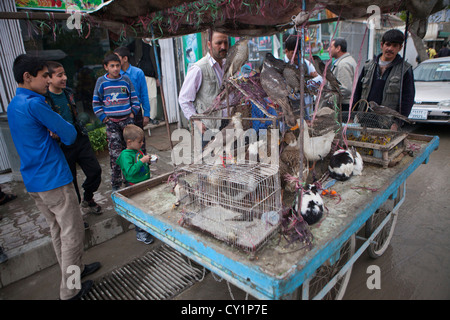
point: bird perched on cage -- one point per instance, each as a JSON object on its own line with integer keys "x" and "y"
{"x": 274, "y": 85}
{"x": 386, "y": 111}
{"x": 341, "y": 165}
{"x": 236, "y": 58}
{"x": 316, "y": 148}
{"x": 312, "y": 205}
{"x": 304, "y": 16}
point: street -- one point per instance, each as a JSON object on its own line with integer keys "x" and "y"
{"x": 414, "y": 267}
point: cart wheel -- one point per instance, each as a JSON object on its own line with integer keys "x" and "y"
{"x": 381, "y": 241}
{"x": 329, "y": 269}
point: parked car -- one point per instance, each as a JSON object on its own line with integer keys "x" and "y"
{"x": 432, "y": 100}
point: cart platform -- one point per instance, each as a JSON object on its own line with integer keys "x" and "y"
{"x": 277, "y": 270}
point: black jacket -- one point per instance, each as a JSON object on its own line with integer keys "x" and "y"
{"x": 376, "y": 91}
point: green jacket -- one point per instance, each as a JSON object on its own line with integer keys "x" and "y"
{"x": 133, "y": 169}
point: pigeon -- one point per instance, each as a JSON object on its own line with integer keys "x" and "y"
{"x": 274, "y": 85}
{"x": 236, "y": 58}
{"x": 341, "y": 165}
{"x": 312, "y": 205}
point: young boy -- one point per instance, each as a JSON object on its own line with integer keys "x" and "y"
{"x": 115, "y": 103}
{"x": 46, "y": 175}
{"x": 135, "y": 166}
{"x": 61, "y": 99}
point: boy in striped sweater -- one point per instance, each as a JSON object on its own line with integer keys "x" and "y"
{"x": 115, "y": 103}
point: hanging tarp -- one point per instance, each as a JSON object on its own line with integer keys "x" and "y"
{"x": 238, "y": 17}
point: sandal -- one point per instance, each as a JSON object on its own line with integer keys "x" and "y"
{"x": 7, "y": 198}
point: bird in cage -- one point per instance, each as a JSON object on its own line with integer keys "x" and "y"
{"x": 341, "y": 165}
{"x": 182, "y": 193}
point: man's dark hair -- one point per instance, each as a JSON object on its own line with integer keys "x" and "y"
{"x": 393, "y": 36}
{"x": 110, "y": 57}
{"x": 291, "y": 42}
{"x": 341, "y": 42}
{"x": 52, "y": 65}
{"x": 27, "y": 63}
{"x": 123, "y": 52}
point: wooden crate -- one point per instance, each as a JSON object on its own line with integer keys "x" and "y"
{"x": 377, "y": 152}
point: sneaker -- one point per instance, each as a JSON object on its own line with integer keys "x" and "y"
{"x": 144, "y": 237}
{"x": 92, "y": 207}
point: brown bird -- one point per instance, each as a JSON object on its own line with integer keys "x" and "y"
{"x": 274, "y": 85}
{"x": 290, "y": 163}
{"x": 386, "y": 111}
{"x": 236, "y": 58}
{"x": 277, "y": 64}
{"x": 320, "y": 68}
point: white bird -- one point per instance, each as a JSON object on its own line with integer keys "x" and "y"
{"x": 341, "y": 165}
{"x": 316, "y": 148}
{"x": 358, "y": 164}
{"x": 182, "y": 195}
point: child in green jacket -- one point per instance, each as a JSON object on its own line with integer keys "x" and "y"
{"x": 135, "y": 166}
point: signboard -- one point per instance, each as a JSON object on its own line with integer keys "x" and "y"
{"x": 192, "y": 47}
{"x": 58, "y": 5}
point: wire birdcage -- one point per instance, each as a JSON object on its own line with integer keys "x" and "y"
{"x": 239, "y": 204}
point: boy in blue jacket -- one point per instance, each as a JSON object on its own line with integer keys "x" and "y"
{"x": 46, "y": 175}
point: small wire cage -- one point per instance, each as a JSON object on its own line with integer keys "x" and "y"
{"x": 367, "y": 120}
{"x": 239, "y": 204}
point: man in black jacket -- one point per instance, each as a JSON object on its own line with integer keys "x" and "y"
{"x": 382, "y": 81}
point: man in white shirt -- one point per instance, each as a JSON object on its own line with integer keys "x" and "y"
{"x": 203, "y": 81}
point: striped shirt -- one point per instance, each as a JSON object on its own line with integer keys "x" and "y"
{"x": 192, "y": 84}
{"x": 114, "y": 98}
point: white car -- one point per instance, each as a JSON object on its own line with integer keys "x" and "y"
{"x": 432, "y": 100}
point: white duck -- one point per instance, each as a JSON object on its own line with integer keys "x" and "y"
{"x": 315, "y": 148}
